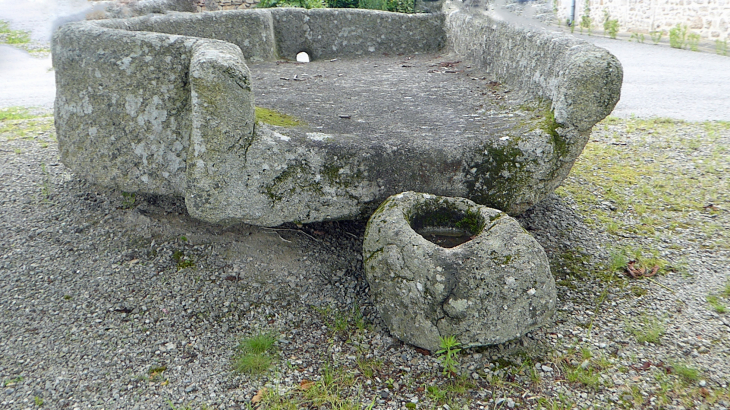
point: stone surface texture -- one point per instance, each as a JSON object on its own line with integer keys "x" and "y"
{"x": 491, "y": 289}
{"x": 132, "y": 92}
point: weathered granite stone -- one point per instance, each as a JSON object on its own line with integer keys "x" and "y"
{"x": 126, "y": 109}
{"x": 582, "y": 81}
{"x": 491, "y": 289}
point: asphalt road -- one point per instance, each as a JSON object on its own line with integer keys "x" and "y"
{"x": 658, "y": 81}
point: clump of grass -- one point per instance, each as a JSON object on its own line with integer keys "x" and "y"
{"x": 256, "y": 354}
{"x": 648, "y": 329}
{"x": 182, "y": 261}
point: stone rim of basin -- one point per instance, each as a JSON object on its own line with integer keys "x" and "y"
{"x": 163, "y": 105}
{"x": 491, "y": 289}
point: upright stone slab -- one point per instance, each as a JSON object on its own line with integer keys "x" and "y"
{"x": 492, "y": 288}
{"x": 223, "y": 125}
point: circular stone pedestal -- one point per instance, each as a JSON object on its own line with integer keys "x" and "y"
{"x": 440, "y": 266}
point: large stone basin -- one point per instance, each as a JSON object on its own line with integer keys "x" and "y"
{"x": 453, "y": 104}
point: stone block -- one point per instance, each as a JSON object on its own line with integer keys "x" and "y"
{"x": 441, "y": 267}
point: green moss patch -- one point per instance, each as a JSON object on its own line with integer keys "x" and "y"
{"x": 650, "y": 178}
{"x": 271, "y": 117}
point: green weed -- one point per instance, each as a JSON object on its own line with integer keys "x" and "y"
{"x": 128, "y": 200}
{"x": 610, "y": 25}
{"x": 448, "y": 354}
{"x": 38, "y": 401}
{"x": 639, "y": 37}
{"x": 656, "y": 36}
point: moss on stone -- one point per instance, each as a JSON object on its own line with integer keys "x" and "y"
{"x": 295, "y": 176}
{"x": 498, "y": 176}
{"x": 439, "y": 212}
{"x": 271, "y": 117}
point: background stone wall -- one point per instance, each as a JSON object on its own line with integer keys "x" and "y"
{"x": 708, "y": 18}
{"x": 214, "y": 5}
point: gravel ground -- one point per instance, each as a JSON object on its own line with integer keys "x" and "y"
{"x": 114, "y": 301}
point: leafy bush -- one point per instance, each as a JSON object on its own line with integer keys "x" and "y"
{"x": 656, "y": 36}
{"x": 677, "y": 36}
{"x": 307, "y": 4}
{"x": 373, "y": 4}
{"x": 343, "y": 4}
{"x": 693, "y": 39}
{"x": 610, "y": 25}
{"x": 721, "y": 47}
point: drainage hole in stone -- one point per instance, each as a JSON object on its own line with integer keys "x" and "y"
{"x": 446, "y": 227}
{"x": 302, "y": 57}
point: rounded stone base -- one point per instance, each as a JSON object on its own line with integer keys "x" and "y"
{"x": 440, "y": 266}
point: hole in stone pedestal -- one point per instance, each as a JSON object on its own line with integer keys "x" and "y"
{"x": 447, "y": 227}
{"x": 302, "y": 57}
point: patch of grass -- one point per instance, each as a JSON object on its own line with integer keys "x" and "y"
{"x": 155, "y": 374}
{"x": 128, "y": 200}
{"x": 638, "y": 291}
{"x": 258, "y": 344}
{"x": 685, "y": 372}
{"x": 20, "y": 124}
{"x": 256, "y": 354}
{"x": 181, "y": 261}
{"x": 716, "y": 304}
{"x": 269, "y": 116}
{"x": 332, "y": 391}
{"x": 369, "y": 367}
{"x": 9, "y": 36}
{"x": 15, "y": 113}
{"x": 38, "y": 401}
{"x": 648, "y": 329}
{"x": 343, "y": 322}
{"x": 13, "y": 381}
{"x": 650, "y": 196}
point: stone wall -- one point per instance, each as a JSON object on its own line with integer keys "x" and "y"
{"x": 215, "y": 5}
{"x": 708, "y": 18}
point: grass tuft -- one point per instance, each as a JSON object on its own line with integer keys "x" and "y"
{"x": 256, "y": 354}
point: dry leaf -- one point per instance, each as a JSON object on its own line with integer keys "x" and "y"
{"x": 259, "y": 396}
{"x": 306, "y": 384}
{"x": 423, "y": 351}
